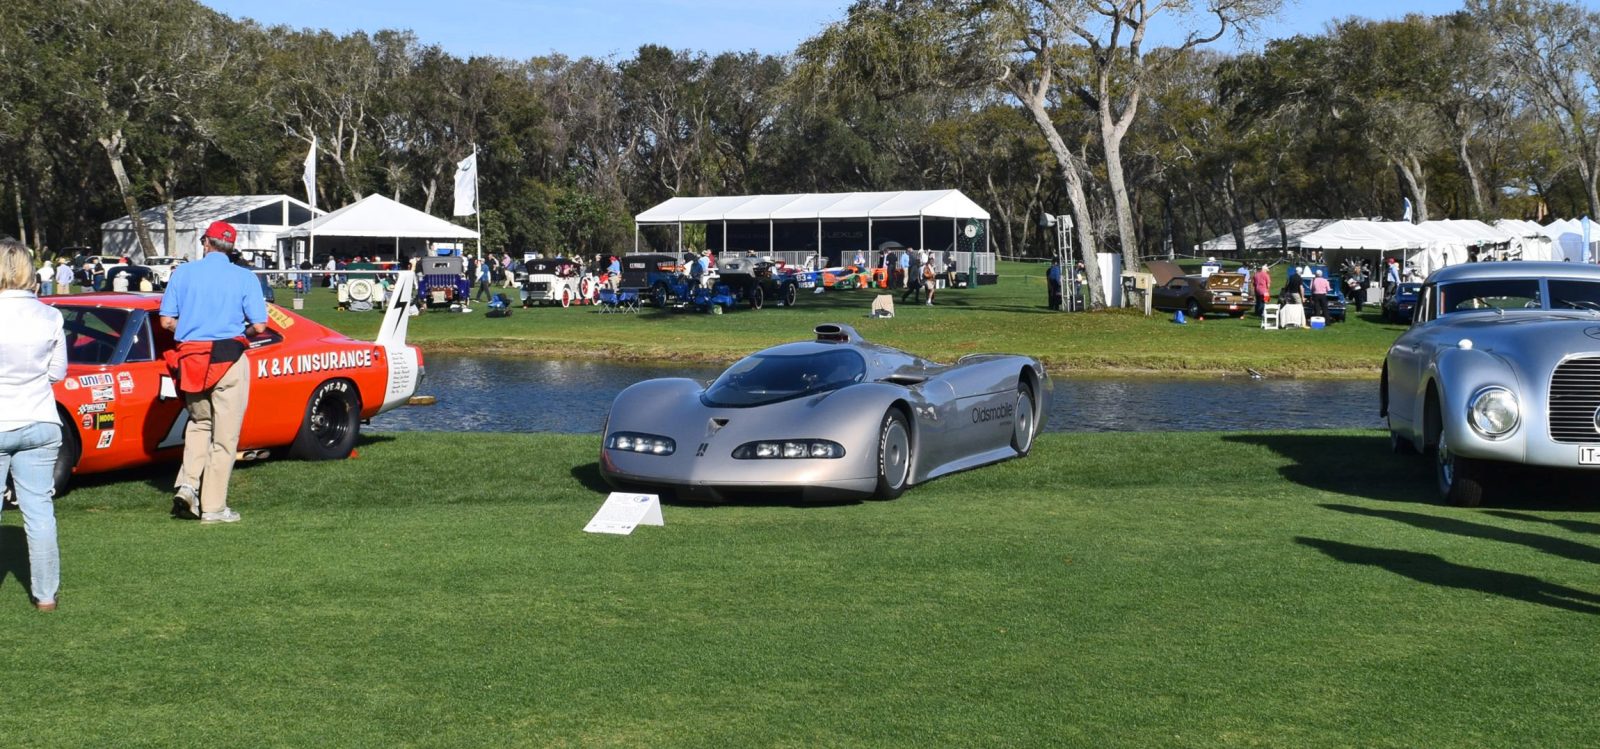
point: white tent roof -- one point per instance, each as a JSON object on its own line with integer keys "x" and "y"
{"x": 378, "y": 216}
{"x": 1363, "y": 235}
{"x": 1263, "y": 235}
{"x": 813, "y": 206}
{"x": 203, "y": 209}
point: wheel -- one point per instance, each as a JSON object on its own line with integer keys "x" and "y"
{"x": 1460, "y": 479}
{"x": 332, "y": 422}
{"x": 67, "y": 456}
{"x": 757, "y": 297}
{"x": 658, "y": 296}
{"x": 790, "y": 293}
{"x": 1022, "y": 432}
{"x": 1193, "y": 309}
{"x": 566, "y": 298}
{"x": 1398, "y": 444}
{"x": 894, "y": 455}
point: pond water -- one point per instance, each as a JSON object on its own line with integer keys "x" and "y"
{"x": 507, "y": 394}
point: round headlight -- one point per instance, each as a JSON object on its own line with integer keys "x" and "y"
{"x": 1493, "y": 412}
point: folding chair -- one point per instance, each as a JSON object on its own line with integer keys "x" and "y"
{"x": 608, "y": 301}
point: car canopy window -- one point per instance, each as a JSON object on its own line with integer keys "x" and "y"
{"x": 769, "y": 378}
{"x": 92, "y": 333}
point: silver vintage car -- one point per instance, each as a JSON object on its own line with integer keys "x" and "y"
{"x": 831, "y": 418}
{"x": 1501, "y": 365}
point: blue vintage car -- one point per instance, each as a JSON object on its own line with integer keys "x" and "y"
{"x": 1400, "y": 305}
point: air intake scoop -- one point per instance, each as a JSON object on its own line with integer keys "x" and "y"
{"x": 837, "y": 333}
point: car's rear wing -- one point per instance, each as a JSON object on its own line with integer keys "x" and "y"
{"x": 392, "y": 334}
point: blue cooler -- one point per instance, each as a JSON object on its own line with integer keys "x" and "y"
{"x": 1317, "y": 323}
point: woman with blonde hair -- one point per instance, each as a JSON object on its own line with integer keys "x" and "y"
{"x": 33, "y": 354}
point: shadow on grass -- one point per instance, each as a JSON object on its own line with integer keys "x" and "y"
{"x": 1363, "y": 466}
{"x": 1575, "y": 526}
{"x": 588, "y": 475}
{"x": 1456, "y": 526}
{"x": 1433, "y": 570}
{"x": 14, "y": 557}
{"x": 160, "y": 476}
{"x": 1357, "y": 465}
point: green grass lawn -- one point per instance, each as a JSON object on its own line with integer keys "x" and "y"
{"x": 1007, "y": 317}
{"x": 1295, "y": 589}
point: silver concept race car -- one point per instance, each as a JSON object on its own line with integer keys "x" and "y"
{"x": 1501, "y": 365}
{"x": 833, "y": 418}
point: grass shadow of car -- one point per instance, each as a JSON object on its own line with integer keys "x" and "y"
{"x": 1362, "y": 465}
{"x": 588, "y": 476}
{"x": 160, "y": 476}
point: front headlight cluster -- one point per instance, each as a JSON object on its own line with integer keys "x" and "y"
{"x": 634, "y": 442}
{"x": 1493, "y": 412}
{"x": 780, "y": 449}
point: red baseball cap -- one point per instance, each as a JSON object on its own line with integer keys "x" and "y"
{"x": 222, "y": 230}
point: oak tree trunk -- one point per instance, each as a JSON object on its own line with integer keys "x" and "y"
{"x": 113, "y": 145}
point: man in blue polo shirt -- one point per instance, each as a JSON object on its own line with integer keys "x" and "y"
{"x": 207, "y": 306}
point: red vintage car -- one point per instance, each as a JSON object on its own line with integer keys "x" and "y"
{"x": 311, "y": 387}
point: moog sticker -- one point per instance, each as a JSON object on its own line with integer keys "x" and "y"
{"x": 280, "y": 366}
{"x": 105, "y": 421}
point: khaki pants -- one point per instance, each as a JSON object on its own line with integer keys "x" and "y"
{"x": 212, "y": 437}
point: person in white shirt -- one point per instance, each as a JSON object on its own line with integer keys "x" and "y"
{"x": 64, "y": 277}
{"x": 33, "y": 354}
{"x": 47, "y": 279}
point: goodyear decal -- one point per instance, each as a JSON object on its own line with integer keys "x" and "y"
{"x": 324, "y": 361}
{"x": 278, "y": 316}
{"x": 96, "y": 380}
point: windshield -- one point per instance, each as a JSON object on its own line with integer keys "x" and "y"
{"x": 1505, "y": 294}
{"x": 766, "y": 378}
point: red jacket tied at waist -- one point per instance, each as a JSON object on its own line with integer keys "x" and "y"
{"x": 200, "y": 365}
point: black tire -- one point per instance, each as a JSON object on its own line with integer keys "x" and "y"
{"x": 658, "y": 296}
{"x": 67, "y": 457}
{"x": 332, "y": 422}
{"x": 757, "y": 297}
{"x": 894, "y": 455}
{"x": 1398, "y": 444}
{"x": 1461, "y": 480}
{"x": 1026, "y": 425}
{"x": 790, "y": 294}
{"x": 1193, "y": 308}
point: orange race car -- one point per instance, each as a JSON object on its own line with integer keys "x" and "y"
{"x": 310, "y": 390}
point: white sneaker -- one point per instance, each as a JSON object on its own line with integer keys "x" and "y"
{"x": 185, "y": 503}
{"x": 224, "y": 515}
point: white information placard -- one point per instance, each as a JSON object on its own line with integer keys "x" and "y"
{"x": 624, "y": 511}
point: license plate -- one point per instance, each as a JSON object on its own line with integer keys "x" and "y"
{"x": 1589, "y": 455}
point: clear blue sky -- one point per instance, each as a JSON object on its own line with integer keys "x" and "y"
{"x": 524, "y": 28}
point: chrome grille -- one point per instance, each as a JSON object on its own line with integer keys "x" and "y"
{"x": 1574, "y": 398}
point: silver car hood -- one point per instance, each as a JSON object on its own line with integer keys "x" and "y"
{"x": 1536, "y": 340}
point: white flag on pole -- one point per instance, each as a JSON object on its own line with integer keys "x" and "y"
{"x": 310, "y": 176}
{"x": 467, "y": 186}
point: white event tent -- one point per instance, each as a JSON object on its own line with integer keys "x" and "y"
{"x": 1427, "y": 246}
{"x": 259, "y": 219}
{"x": 1265, "y": 235}
{"x": 823, "y": 222}
{"x": 376, "y": 217}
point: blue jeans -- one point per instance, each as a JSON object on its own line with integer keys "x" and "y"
{"x": 46, "y": 288}
{"x": 29, "y": 456}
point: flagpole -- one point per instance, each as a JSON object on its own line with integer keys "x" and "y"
{"x": 477, "y": 202}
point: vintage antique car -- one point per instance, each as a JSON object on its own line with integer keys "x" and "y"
{"x": 1217, "y": 294}
{"x": 757, "y": 281}
{"x": 311, "y": 387}
{"x": 1502, "y": 365}
{"x": 831, "y": 418}
{"x": 554, "y": 281}
{"x": 1400, "y": 305}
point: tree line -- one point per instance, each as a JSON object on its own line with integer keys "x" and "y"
{"x": 1028, "y": 106}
